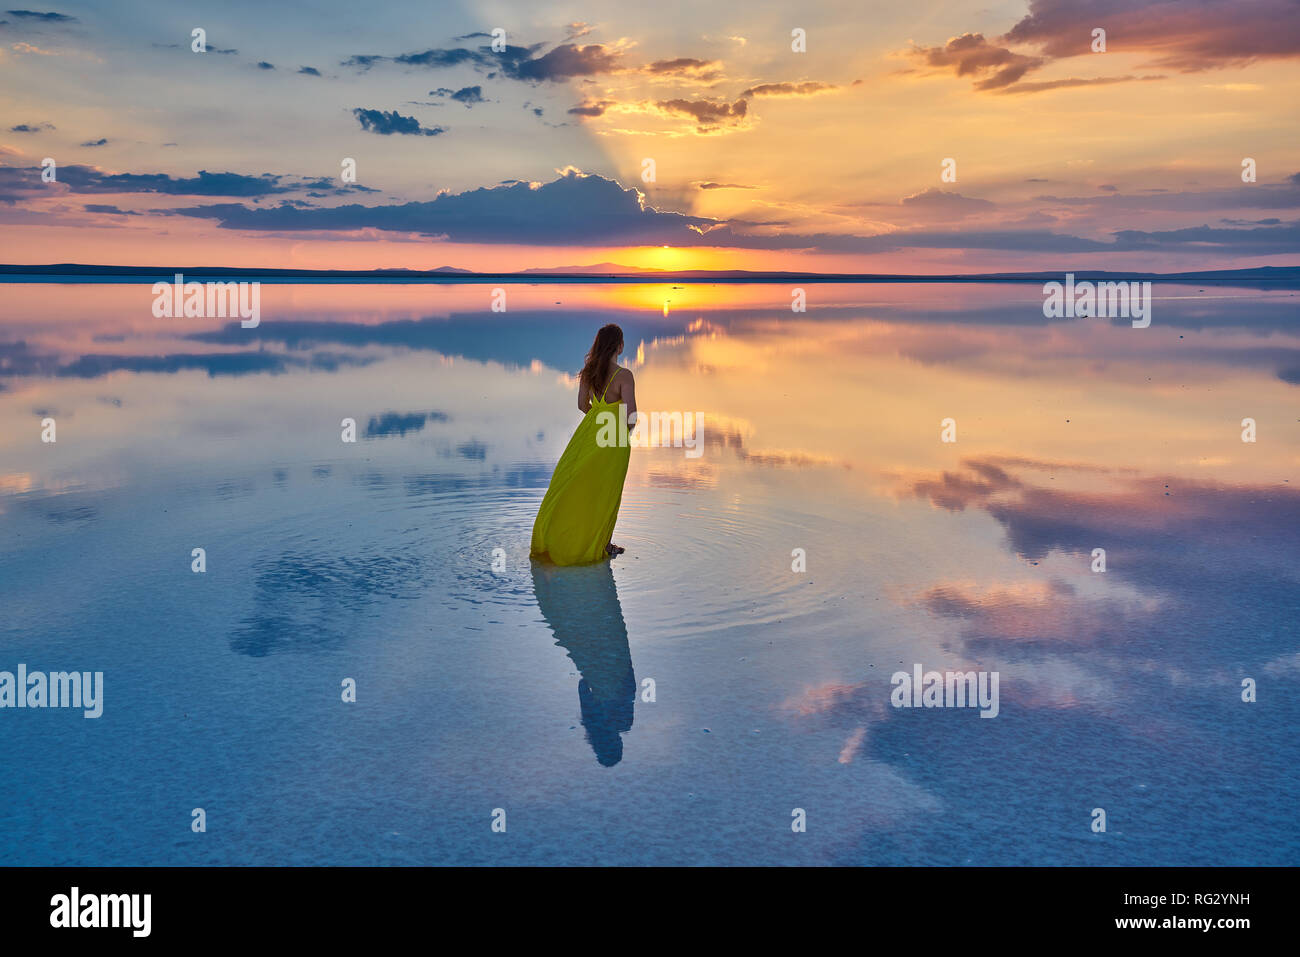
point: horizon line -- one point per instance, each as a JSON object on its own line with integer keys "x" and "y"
{"x": 87, "y": 272}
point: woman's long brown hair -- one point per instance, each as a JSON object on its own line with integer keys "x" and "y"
{"x": 595, "y": 371}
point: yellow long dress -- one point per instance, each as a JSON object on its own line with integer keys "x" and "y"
{"x": 577, "y": 516}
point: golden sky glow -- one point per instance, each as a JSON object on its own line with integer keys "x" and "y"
{"x": 827, "y": 159}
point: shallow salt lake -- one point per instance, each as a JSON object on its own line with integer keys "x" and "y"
{"x": 678, "y": 704}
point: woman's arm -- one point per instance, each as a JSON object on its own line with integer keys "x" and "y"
{"x": 584, "y": 396}
{"x": 628, "y": 396}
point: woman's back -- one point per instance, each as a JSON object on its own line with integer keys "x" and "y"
{"x": 616, "y": 387}
{"x": 612, "y": 393}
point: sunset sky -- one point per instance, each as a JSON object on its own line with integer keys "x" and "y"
{"x": 764, "y": 158}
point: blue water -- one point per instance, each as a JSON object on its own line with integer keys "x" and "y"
{"x": 485, "y": 682}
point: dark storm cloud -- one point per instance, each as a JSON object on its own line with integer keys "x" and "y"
{"x": 429, "y": 58}
{"x": 49, "y": 17}
{"x": 436, "y": 58}
{"x": 86, "y": 179}
{"x": 1284, "y": 195}
{"x": 597, "y": 108}
{"x": 393, "y": 123}
{"x": 1259, "y": 240}
{"x": 577, "y": 209}
{"x": 528, "y": 64}
{"x": 574, "y": 208}
{"x": 1187, "y": 36}
{"x": 469, "y": 95}
{"x": 564, "y": 62}
{"x": 18, "y": 182}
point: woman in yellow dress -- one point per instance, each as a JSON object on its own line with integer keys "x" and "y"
{"x": 575, "y": 524}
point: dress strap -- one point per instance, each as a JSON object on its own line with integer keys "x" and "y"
{"x": 608, "y": 384}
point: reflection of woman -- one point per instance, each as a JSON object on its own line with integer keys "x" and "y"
{"x": 581, "y": 606}
{"x": 575, "y": 524}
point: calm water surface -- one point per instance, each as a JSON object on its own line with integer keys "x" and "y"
{"x": 522, "y": 688}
